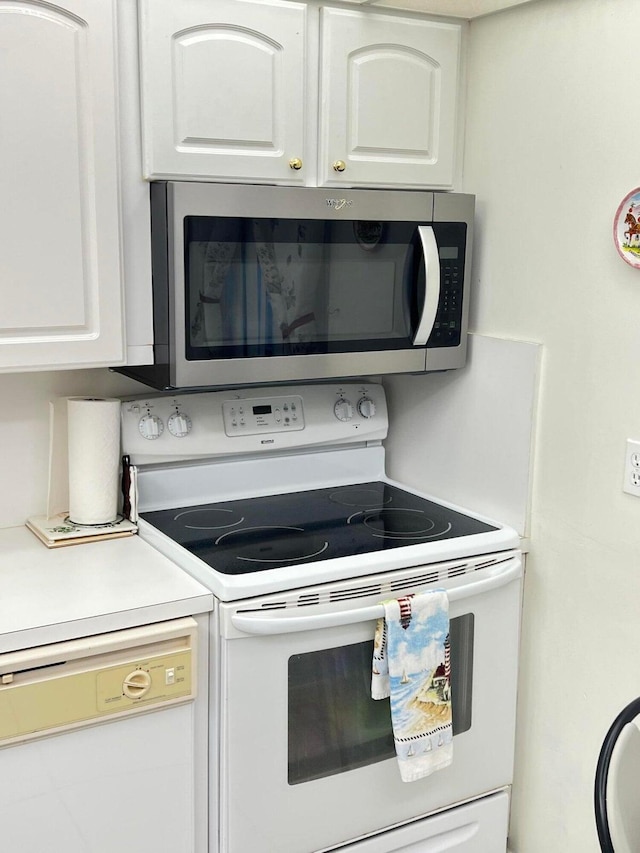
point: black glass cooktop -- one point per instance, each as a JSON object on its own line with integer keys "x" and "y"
{"x": 237, "y": 537}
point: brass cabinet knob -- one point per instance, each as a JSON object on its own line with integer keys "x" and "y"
{"x": 295, "y": 163}
{"x": 339, "y": 166}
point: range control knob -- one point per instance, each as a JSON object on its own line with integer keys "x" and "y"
{"x": 366, "y": 407}
{"x": 179, "y": 424}
{"x": 136, "y": 684}
{"x": 151, "y": 427}
{"x": 343, "y": 409}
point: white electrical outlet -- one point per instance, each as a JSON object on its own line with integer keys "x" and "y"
{"x": 631, "y": 482}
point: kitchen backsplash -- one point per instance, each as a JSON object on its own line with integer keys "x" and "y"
{"x": 467, "y": 435}
{"x": 451, "y": 434}
{"x": 24, "y": 431}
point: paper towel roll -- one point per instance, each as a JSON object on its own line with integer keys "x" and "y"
{"x": 94, "y": 457}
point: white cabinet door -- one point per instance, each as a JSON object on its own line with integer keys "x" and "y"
{"x": 389, "y": 90}
{"x": 229, "y": 93}
{"x": 223, "y": 88}
{"x": 60, "y": 281}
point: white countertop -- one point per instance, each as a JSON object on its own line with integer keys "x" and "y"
{"x": 50, "y": 595}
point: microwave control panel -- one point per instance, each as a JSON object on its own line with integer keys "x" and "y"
{"x": 447, "y": 328}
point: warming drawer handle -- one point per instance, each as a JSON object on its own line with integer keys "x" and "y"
{"x": 268, "y": 623}
{"x": 432, "y": 284}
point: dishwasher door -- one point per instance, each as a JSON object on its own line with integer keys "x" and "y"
{"x": 97, "y": 743}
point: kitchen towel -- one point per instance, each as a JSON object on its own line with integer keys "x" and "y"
{"x": 93, "y": 435}
{"x": 412, "y": 666}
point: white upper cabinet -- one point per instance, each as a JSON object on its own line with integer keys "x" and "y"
{"x": 293, "y": 93}
{"x": 465, "y": 9}
{"x": 60, "y": 279}
{"x": 223, "y": 88}
{"x": 388, "y": 93}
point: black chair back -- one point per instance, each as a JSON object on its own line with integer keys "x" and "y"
{"x": 602, "y": 773}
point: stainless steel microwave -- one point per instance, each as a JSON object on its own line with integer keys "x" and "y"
{"x": 260, "y": 284}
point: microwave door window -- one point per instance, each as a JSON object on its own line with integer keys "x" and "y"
{"x": 291, "y": 276}
{"x": 368, "y": 290}
{"x": 230, "y": 304}
{"x": 361, "y": 297}
{"x": 262, "y": 287}
{"x": 211, "y": 263}
{"x": 253, "y": 285}
{"x": 373, "y": 273}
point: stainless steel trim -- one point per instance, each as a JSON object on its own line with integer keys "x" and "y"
{"x": 243, "y": 371}
{"x": 447, "y": 358}
{"x": 180, "y": 373}
{"x": 191, "y": 198}
{"x": 432, "y": 285}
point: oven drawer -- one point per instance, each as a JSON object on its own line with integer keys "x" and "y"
{"x": 477, "y": 827}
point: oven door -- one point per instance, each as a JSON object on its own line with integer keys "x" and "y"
{"x": 307, "y": 756}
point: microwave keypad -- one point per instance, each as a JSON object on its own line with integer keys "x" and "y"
{"x": 446, "y": 329}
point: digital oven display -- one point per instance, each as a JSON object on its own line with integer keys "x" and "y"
{"x": 262, "y": 410}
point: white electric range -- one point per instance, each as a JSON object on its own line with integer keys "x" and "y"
{"x": 277, "y": 500}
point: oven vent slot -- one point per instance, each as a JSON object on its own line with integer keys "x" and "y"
{"x": 308, "y": 598}
{"x": 457, "y": 571}
{"x": 273, "y": 605}
{"x": 486, "y": 563}
{"x": 355, "y": 592}
{"x": 430, "y": 577}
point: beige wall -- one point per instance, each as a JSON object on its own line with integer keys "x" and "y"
{"x": 551, "y": 149}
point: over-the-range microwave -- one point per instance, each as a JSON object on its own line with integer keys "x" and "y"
{"x": 262, "y": 284}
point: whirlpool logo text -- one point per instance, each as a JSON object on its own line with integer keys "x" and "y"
{"x": 339, "y": 203}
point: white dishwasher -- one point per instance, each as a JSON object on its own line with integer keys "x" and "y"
{"x": 97, "y": 743}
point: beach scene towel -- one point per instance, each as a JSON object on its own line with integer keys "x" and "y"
{"x": 412, "y": 666}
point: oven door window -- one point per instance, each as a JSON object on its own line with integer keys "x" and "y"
{"x": 273, "y": 287}
{"x": 334, "y": 725}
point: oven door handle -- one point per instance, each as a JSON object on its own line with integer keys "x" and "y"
{"x": 266, "y": 623}
{"x": 432, "y": 284}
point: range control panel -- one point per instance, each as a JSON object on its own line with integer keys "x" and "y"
{"x": 267, "y": 414}
{"x": 222, "y": 423}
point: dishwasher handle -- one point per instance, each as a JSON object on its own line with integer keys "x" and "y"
{"x": 266, "y": 623}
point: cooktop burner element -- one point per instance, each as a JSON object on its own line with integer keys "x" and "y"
{"x": 398, "y": 523}
{"x": 303, "y": 527}
{"x": 271, "y": 545}
{"x": 209, "y": 518}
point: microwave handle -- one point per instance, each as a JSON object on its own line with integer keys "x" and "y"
{"x": 432, "y": 286}
{"x": 267, "y": 623}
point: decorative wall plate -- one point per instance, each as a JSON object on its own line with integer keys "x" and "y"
{"x": 626, "y": 228}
